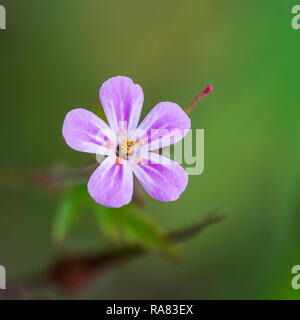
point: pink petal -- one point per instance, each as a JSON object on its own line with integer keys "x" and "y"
{"x": 164, "y": 125}
{"x": 162, "y": 178}
{"x": 122, "y": 101}
{"x": 85, "y": 132}
{"x": 111, "y": 184}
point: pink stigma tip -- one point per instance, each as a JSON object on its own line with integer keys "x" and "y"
{"x": 207, "y": 90}
{"x": 201, "y": 96}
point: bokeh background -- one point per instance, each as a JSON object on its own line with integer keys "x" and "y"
{"x": 54, "y": 56}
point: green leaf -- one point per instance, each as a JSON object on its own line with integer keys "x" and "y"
{"x": 68, "y": 211}
{"x": 107, "y": 222}
{"x": 131, "y": 226}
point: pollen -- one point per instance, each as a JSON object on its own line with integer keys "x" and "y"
{"x": 110, "y": 145}
{"x": 141, "y": 142}
{"x": 138, "y": 160}
{"x": 128, "y": 146}
{"x": 123, "y": 133}
{"x": 119, "y": 160}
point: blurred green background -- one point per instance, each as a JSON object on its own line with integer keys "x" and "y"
{"x": 54, "y": 56}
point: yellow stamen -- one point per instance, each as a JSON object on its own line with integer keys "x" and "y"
{"x": 128, "y": 146}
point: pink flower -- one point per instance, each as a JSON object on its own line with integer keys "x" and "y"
{"x": 127, "y": 147}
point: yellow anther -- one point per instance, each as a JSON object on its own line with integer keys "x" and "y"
{"x": 128, "y": 146}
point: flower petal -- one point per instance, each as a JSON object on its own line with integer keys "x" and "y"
{"x": 85, "y": 132}
{"x": 122, "y": 101}
{"x": 162, "y": 178}
{"x": 164, "y": 125}
{"x": 111, "y": 184}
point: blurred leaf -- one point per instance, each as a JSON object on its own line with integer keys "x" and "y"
{"x": 107, "y": 222}
{"x": 68, "y": 211}
{"x": 60, "y": 176}
{"x": 129, "y": 225}
{"x": 65, "y": 217}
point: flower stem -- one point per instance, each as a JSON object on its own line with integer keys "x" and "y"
{"x": 202, "y": 95}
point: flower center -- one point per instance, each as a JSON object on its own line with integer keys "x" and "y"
{"x": 128, "y": 146}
